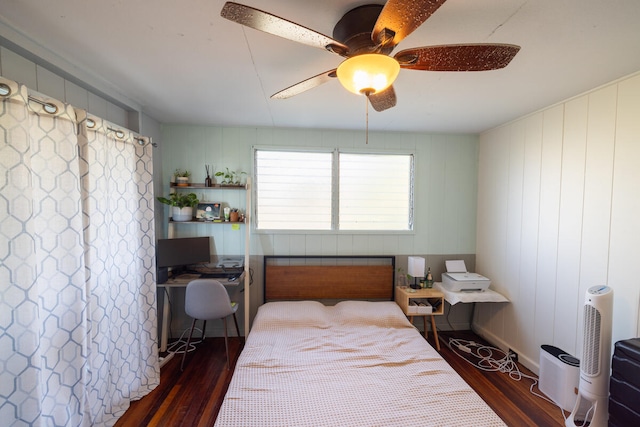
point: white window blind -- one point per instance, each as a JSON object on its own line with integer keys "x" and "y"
{"x": 293, "y": 190}
{"x": 305, "y": 190}
{"x": 376, "y": 191}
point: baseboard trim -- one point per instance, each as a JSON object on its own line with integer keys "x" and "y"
{"x": 165, "y": 359}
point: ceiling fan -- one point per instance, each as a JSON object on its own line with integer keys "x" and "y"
{"x": 368, "y": 34}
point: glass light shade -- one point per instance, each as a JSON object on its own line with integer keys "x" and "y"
{"x": 370, "y": 72}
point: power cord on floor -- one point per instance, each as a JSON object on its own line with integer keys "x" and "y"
{"x": 179, "y": 346}
{"x": 447, "y": 317}
{"x": 492, "y": 359}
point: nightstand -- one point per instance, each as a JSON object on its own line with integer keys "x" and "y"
{"x": 404, "y": 299}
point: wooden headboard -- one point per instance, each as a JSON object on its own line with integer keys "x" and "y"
{"x": 328, "y": 277}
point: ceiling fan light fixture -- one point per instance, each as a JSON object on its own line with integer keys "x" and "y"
{"x": 368, "y": 74}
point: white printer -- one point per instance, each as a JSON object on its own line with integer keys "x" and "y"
{"x": 458, "y": 279}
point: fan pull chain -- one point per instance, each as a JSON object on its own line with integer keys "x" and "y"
{"x": 366, "y": 101}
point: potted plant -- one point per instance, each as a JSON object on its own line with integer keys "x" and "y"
{"x": 230, "y": 177}
{"x": 181, "y": 205}
{"x": 237, "y": 177}
{"x": 182, "y": 177}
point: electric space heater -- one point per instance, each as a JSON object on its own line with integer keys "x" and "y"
{"x": 559, "y": 376}
{"x": 592, "y": 403}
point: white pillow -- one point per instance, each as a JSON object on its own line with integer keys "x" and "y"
{"x": 379, "y": 313}
{"x": 293, "y": 314}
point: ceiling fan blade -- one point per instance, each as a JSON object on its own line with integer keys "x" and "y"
{"x": 469, "y": 57}
{"x": 305, "y": 85}
{"x": 399, "y": 18}
{"x": 272, "y": 24}
{"x": 383, "y": 100}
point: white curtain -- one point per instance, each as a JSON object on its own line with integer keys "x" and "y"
{"x": 77, "y": 287}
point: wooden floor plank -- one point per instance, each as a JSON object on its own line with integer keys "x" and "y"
{"x": 193, "y": 397}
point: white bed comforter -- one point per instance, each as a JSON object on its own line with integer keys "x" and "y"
{"x": 354, "y": 364}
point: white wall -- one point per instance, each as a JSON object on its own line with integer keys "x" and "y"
{"x": 16, "y": 67}
{"x": 558, "y": 203}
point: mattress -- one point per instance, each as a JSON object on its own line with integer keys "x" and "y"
{"x": 353, "y": 364}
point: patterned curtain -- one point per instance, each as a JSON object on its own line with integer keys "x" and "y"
{"x": 77, "y": 289}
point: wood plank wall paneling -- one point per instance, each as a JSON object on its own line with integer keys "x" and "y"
{"x": 530, "y": 230}
{"x": 574, "y": 148}
{"x": 623, "y": 263}
{"x": 557, "y": 213}
{"x": 550, "y": 174}
{"x": 38, "y": 78}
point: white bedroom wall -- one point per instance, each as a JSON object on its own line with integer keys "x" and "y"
{"x": 36, "y": 77}
{"x": 558, "y": 197}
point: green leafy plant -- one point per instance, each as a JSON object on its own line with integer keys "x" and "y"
{"x": 182, "y": 173}
{"x": 230, "y": 177}
{"x": 180, "y": 200}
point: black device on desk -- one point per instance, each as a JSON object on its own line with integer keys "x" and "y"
{"x": 180, "y": 253}
{"x": 229, "y": 276}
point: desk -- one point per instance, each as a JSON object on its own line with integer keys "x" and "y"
{"x": 453, "y": 298}
{"x": 182, "y": 281}
{"x": 465, "y": 297}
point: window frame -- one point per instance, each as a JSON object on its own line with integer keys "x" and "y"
{"x": 335, "y": 188}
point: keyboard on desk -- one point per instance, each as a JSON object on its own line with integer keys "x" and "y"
{"x": 218, "y": 275}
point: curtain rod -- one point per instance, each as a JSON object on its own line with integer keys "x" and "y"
{"x": 52, "y": 109}
{"x": 120, "y": 134}
{"x": 48, "y": 106}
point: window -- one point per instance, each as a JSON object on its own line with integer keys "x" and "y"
{"x": 316, "y": 190}
{"x": 293, "y": 190}
{"x": 375, "y": 191}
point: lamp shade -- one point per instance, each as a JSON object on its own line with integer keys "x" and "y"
{"x": 369, "y": 73}
{"x": 416, "y": 266}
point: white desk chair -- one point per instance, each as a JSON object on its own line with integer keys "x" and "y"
{"x": 207, "y": 299}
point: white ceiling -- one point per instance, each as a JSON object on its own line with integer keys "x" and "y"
{"x": 180, "y": 62}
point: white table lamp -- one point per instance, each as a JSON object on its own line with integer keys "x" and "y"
{"x": 416, "y": 269}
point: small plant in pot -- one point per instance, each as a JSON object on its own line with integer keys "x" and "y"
{"x": 181, "y": 205}
{"x": 182, "y": 177}
{"x": 230, "y": 177}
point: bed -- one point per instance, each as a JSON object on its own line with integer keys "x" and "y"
{"x": 355, "y": 363}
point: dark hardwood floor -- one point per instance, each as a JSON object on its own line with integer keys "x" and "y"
{"x": 512, "y": 400}
{"x": 193, "y": 397}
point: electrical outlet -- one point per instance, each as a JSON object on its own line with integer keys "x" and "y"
{"x": 513, "y": 355}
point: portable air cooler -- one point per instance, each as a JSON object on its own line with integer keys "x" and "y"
{"x": 592, "y": 403}
{"x": 559, "y": 376}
